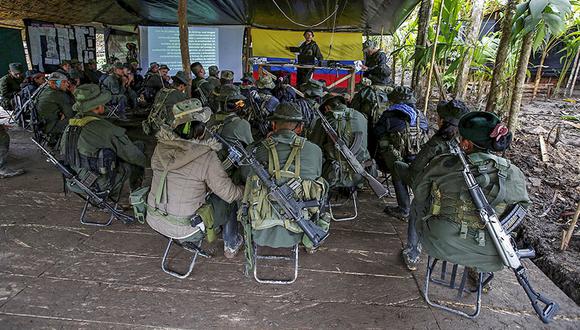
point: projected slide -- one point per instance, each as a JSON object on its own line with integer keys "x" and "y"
{"x": 221, "y": 46}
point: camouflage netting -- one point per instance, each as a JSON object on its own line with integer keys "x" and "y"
{"x": 353, "y": 15}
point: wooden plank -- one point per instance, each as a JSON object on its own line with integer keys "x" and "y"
{"x": 543, "y": 149}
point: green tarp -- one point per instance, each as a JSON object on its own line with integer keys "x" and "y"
{"x": 14, "y": 53}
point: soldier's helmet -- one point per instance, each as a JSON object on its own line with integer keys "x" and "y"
{"x": 287, "y": 112}
{"x": 89, "y": 96}
{"x": 188, "y": 111}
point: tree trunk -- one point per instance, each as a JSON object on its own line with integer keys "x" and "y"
{"x": 394, "y": 71}
{"x": 421, "y": 43}
{"x": 403, "y": 73}
{"x": 520, "y": 79}
{"x": 501, "y": 57}
{"x": 471, "y": 38}
{"x": 184, "y": 41}
{"x": 571, "y": 92}
{"x": 433, "y": 58}
{"x": 539, "y": 72}
{"x": 574, "y": 66}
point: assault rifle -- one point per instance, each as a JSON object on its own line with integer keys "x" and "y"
{"x": 259, "y": 120}
{"x": 72, "y": 177}
{"x": 502, "y": 241}
{"x": 341, "y": 146}
{"x": 283, "y": 195}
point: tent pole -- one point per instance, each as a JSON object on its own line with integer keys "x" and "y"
{"x": 184, "y": 41}
{"x": 433, "y": 57}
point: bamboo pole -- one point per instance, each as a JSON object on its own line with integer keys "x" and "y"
{"x": 568, "y": 234}
{"x": 574, "y": 68}
{"x": 574, "y": 80}
{"x": 184, "y": 41}
{"x": 430, "y": 76}
{"x": 421, "y": 43}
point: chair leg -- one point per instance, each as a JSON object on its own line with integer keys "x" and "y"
{"x": 431, "y": 262}
{"x": 293, "y": 259}
{"x": 165, "y": 263}
{"x": 84, "y": 221}
{"x": 353, "y": 196}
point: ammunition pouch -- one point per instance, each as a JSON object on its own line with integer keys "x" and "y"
{"x": 138, "y": 199}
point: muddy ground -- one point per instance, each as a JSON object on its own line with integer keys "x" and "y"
{"x": 553, "y": 186}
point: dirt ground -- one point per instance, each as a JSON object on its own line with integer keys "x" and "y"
{"x": 57, "y": 273}
{"x": 554, "y": 187}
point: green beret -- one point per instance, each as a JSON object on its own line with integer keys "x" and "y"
{"x": 89, "y": 96}
{"x": 287, "y": 112}
{"x": 190, "y": 110}
{"x": 477, "y": 127}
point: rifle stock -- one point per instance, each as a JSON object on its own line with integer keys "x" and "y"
{"x": 91, "y": 195}
{"x": 282, "y": 195}
{"x": 503, "y": 242}
{"x": 378, "y": 188}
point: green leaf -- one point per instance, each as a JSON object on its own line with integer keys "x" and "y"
{"x": 554, "y": 22}
{"x": 561, "y": 5}
{"x": 539, "y": 37}
{"x": 537, "y": 7}
{"x": 520, "y": 10}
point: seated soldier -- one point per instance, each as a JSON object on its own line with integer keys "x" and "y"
{"x": 92, "y": 144}
{"x": 248, "y": 84}
{"x": 450, "y": 226}
{"x": 267, "y": 101}
{"x": 33, "y": 80}
{"x": 351, "y": 127}
{"x": 91, "y": 75}
{"x": 185, "y": 169}
{"x": 226, "y": 77}
{"x": 400, "y": 133}
{"x": 166, "y": 98}
{"x": 116, "y": 84}
{"x": 54, "y": 107}
{"x": 448, "y": 119}
{"x": 296, "y": 158}
{"x": 200, "y": 88}
{"x": 213, "y": 77}
{"x": 10, "y": 85}
{"x": 313, "y": 91}
{"x": 154, "y": 81}
{"x": 283, "y": 91}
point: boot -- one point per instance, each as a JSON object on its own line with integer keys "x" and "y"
{"x": 5, "y": 172}
{"x": 230, "y": 252}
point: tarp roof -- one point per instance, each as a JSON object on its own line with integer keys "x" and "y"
{"x": 353, "y": 15}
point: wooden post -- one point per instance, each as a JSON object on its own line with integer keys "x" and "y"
{"x": 352, "y": 83}
{"x": 184, "y": 41}
{"x": 431, "y": 67}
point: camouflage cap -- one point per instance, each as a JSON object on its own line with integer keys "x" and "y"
{"x": 265, "y": 82}
{"x": 63, "y": 62}
{"x": 451, "y": 111}
{"x": 74, "y": 61}
{"x": 188, "y": 111}
{"x": 57, "y": 76}
{"x": 180, "y": 78}
{"x": 369, "y": 44}
{"x": 313, "y": 88}
{"x": 118, "y": 65}
{"x": 15, "y": 67}
{"x": 163, "y": 67}
{"x": 213, "y": 70}
{"x": 248, "y": 77}
{"x": 92, "y": 61}
{"x": 89, "y": 96}
{"x": 152, "y": 64}
{"x": 329, "y": 97}
{"x": 227, "y": 75}
{"x": 287, "y": 112}
{"x": 402, "y": 94}
{"x": 230, "y": 92}
{"x": 74, "y": 74}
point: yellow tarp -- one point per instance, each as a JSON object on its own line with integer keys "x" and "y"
{"x": 274, "y": 43}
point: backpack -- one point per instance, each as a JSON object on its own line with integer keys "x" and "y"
{"x": 158, "y": 114}
{"x": 262, "y": 212}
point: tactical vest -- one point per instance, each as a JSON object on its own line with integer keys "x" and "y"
{"x": 406, "y": 143}
{"x": 262, "y": 212}
{"x": 158, "y": 114}
{"x": 491, "y": 173}
{"x": 337, "y": 169}
{"x": 103, "y": 163}
{"x": 220, "y": 120}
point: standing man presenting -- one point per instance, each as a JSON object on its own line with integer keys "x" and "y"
{"x": 309, "y": 55}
